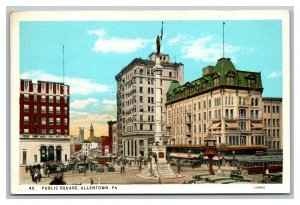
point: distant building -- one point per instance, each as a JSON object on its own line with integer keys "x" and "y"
{"x": 44, "y": 122}
{"x": 135, "y": 103}
{"x": 112, "y": 133}
{"x": 273, "y": 122}
{"x": 106, "y": 146}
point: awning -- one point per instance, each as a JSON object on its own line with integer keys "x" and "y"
{"x": 214, "y": 125}
{"x": 184, "y": 155}
{"x": 232, "y": 125}
{"x": 216, "y": 158}
{"x": 257, "y": 125}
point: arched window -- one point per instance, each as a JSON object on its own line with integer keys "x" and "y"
{"x": 43, "y": 153}
{"x": 252, "y": 101}
{"x": 50, "y": 153}
{"x": 58, "y": 153}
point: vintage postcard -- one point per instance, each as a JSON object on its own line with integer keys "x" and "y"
{"x": 150, "y": 102}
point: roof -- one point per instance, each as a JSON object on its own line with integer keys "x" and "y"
{"x": 224, "y": 65}
{"x": 223, "y": 74}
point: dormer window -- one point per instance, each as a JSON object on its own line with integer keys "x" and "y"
{"x": 230, "y": 80}
{"x": 216, "y": 81}
{"x": 251, "y": 82}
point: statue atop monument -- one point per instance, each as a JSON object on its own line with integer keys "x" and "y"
{"x": 159, "y": 38}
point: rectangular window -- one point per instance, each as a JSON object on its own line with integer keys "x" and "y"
{"x": 66, "y": 99}
{"x": 35, "y": 109}
{"x": 43, "y": 98}
{"x": 50, "y": 131}
{"x": 50, "y": 99}
{"x": 66, "y": 110}
{"x": 26, "y": 97}
{"x": 66, "y": 121}
{"x": 26, "y": 108}
{"x": 57, "y": 110}
{"x": 57, "y": 121}
{"x": 43, "y": 121}
{"x": 50, "y": 109}
{"x": 26, "y": 131}
{"x": 141, "y": 127}
{"x": 57, "y": 99}
{"x": 58, "y": 131}
{"x": 141, "y": 89}
{"x": 50, "y": 121}
{"x": 43, "y": 109}
{"x": 35, "y": 98}
{"x": 26, "y": 120}
{"x": 44, "y": 131}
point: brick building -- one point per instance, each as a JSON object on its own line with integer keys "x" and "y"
{"x": 44, "y": 122}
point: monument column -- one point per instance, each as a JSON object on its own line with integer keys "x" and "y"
{"x": 158, "y": 148}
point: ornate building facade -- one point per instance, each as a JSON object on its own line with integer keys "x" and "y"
{"x": 225, "y": 101}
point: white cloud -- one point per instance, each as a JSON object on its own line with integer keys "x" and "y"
{"x": 274, "y": 74}
{"x": 116, "y": 45}
{"x": 176, "y": 39}
{"x": 109, "y": 102}
{"x": 203, "y": 48}
{"x": 80, "y": 104}
{"x": 79, "y": 86}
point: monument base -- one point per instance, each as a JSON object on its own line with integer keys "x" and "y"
{"x": 158, "y": 167}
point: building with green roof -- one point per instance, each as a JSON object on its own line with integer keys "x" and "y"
{"x": 225, "y": 101}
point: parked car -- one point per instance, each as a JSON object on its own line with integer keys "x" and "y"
{"x": 110, "y": 167}
{"x": 99, "y": 168}
{"x": 55, "y": 167}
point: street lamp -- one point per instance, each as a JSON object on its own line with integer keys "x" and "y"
{"x": 219, "y": 162}
{"x": 233, "y": 157}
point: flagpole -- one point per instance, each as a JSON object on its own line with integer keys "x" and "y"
{"x": 223, "y": 38}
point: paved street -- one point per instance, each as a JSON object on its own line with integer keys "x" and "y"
{"x": 129, "y": 177}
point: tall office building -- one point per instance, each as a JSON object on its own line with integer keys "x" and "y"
{"x": 135, "y": 102}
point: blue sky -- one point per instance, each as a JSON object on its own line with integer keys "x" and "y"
{"x": 96, "y": 51}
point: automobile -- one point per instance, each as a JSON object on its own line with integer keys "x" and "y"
{"x": 55, "y": 167}
{"x": 110, "y": 167}
{"x": 99, "y": 168}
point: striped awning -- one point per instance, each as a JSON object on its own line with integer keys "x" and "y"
{"x": 183, "y": 155}
{"x": 214, "y": 125}
{"x": 257, "y": 125}
{"x": 232, "y": 125}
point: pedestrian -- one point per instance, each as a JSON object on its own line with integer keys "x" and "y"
{"x": 267, "y": 171}
{"x": 26, "y": 169}
{"x": 92, "y": 181}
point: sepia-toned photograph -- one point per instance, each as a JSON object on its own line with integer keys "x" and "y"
{"x": 150, "y": 102}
